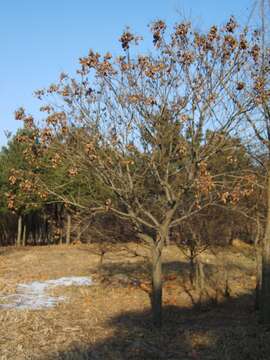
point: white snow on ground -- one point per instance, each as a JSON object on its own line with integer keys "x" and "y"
{"x": 35, "y": 295}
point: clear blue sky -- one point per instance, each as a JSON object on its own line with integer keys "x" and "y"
{"x": 41, "y": 38}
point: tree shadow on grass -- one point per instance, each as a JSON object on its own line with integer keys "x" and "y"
{"x": 142, "y": 269}
{"x": 229, "y": 331}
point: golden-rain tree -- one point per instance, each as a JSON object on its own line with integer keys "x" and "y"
{"x": 255, "y": 89}
{"x": 139, "y": 124}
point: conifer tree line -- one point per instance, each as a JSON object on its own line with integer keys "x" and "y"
{"x": 166, "y": 146}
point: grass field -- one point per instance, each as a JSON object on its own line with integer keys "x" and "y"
{"x": 111, "y": 320}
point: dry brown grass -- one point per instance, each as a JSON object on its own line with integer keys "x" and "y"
{"x": 111, "y": 320}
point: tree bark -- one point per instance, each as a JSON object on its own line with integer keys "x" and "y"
{"x": 157, "y": 285}
{"x": 200, "y": 277}
{"x": 157, "y": 243}
{"x": 258, "y": 257}
{"x": 258, "y": 278}
{"x": 68, "y": 229}
{"x": 61, "y": 237}
{"x": 192, "y": 271}
{"x": 265, "y": 288}
{"x": 19, "y": 233}
{"x": 24, "y": 236}
{"x": 79, "y": 233}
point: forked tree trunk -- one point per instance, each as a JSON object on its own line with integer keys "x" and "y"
{"x": 265, "y": 288}
{"x": 157, "y": 285}
{"x": 68, "y": 229}
{"x": 157, "y": 244}
{"x": 19, "y": 233}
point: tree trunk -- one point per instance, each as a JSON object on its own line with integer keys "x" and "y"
{"x": 200, "y": 277}
{"x": 79, "y": 233}
{"x": 192, "y": 271}
{"x": 61, "y": 237}
{"x": 19, "y": 233}
{"x": 258, "y": 277}
{"x": 258, "y": 257}
{"x": 265, "y": 289}
{"x": 68, "y": 229}
{"x": 157, "y": 244}
{"x": 24, "y": 236}
{"x": 157, "y": 285}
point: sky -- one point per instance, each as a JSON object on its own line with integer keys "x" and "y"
{"x": 41, "y": 38}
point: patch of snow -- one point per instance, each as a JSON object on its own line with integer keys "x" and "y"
{"x": 34, "y": 295}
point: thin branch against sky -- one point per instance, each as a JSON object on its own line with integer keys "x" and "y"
{"x": 41, "y": 39}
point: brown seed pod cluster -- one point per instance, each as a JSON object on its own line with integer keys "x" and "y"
{"x": 181, "y": 30}
{"x": 126, "y": 38}
{"x": 158, "y": 28}
{"x": 255, "y": 52}
{"x": 231, "y": 25}
{"x": 19, "y": 114}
